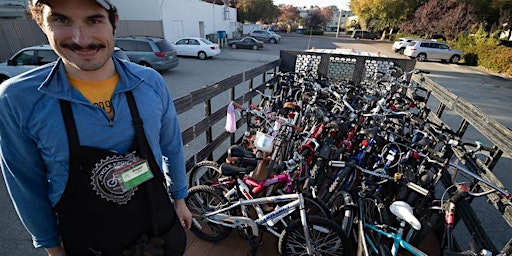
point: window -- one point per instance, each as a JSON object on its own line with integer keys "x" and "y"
{"x": 126, "y": 45}
{"x": 193, "y": 42}
{"x": 26, "y": 58}
{"x": 143, "y": 47}
{"x": 443, "y": 46}
{"x": 182, "y": 42}
{"x": 46, "y": 56}
{"x": 164, "y": 46}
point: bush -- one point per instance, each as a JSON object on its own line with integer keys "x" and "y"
{"x": 484, "y": 50}
{"x": 314, "y": 32}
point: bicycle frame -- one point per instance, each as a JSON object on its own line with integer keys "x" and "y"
{"x": 397, "y": 241}
{"x": 267, "y": 220}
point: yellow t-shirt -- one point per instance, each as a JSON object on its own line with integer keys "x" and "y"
{"x": 98, "y": 93}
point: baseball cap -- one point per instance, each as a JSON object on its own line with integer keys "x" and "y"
{"x": 104, "y": 3}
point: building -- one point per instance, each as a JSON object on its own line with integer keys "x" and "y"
{"x": 339, "y": 20}
{"x": 12, "y": 9}
{"x": 177, "y": 18}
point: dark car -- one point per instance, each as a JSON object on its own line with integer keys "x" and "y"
{"x": 362, "y": 34}
{"x": 154, "y": 52}
{"x": 246, "y": 43}
{"x": 265, "y": 36}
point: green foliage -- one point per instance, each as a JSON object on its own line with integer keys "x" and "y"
{"x": 482, "y": 49}
{"x": 256, "y": 10}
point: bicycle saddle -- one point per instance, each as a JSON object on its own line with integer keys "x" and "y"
{"x": 404, "y": 211}
{"x": 238, "y": 151}
{"x": 231, "y": 170}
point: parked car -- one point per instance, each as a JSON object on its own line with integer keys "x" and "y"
{"x": 154, "y": 52}
{"x": 422, "y": 50}
{"x": 196, "y": 47}
{"x": 34, "y": 56}
{"x": 362, "y": 34}
{"x": 402, "y": 42}
{"x": 265, "y": 36}
{"x": 246, "y": 43}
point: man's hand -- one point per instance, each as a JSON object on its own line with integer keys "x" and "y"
{"x": 183, "y": 213}
{"x": 56, "y": 251}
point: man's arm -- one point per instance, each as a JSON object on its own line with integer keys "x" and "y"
{"x": 25, "y": 174}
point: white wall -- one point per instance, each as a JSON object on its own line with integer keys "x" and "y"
{"x": 189, "y": 14}
{"x": 139, "y": 10}
{"x": 180, "y": 17}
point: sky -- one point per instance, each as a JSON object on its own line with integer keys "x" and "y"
{"x": 342, "y": 4}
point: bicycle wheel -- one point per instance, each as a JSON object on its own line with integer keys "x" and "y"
{"x": 341, "y": 207}
{"x": 200, "y": 200}
{"x": 204, "y": 173}
{"x": 372, "y": 211}
{"x": 327, "y": 238}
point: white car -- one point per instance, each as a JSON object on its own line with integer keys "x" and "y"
{"x": 197, "y": 47}
{"x": 427, "y": 50}
{"x": 34, "y": 56}
{"x": 402, "y": 42}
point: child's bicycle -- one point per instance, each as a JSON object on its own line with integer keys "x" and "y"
{"x": 214, "y": 216}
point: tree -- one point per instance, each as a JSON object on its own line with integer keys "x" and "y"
{"x": 318, "y": 18}
{"x": 446, "y": 17}
{"x": 289, "y": 17}
{"x": 384, "y": 14}
{"x": 256, "y": 10}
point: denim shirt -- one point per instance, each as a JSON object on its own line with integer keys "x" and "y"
{"x": 34, "y": 144}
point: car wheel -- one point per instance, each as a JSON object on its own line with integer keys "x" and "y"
{"x": 255, "y": 47}
{"x": 3, "y": 78}
{"x": 145, "y": 64}
{"x": 272, "y": 41}
{"x": 455, "y": 59}
{"x": 401, "y": 50}
{"x": 233, "y": 46}
{"x": 421, "y": 57}
{"x": 202, "y": 55}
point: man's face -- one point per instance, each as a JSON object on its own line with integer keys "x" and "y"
{"x": 80, "y": 32}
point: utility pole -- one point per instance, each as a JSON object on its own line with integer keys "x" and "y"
{"x": 339, "y": 21}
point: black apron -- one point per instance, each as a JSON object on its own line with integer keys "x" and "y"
{"x": 96, "y": 217}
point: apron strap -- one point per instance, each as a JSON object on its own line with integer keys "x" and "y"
{"x": 69, "y": 122}
{"x": 140, "y": 136}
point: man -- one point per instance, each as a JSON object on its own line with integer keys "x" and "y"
{"x": 90, "y": 145}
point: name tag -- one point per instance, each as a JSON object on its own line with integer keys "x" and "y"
{"x": 134, "y": 174}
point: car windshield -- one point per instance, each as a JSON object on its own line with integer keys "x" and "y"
{"x": 164, "y": 46}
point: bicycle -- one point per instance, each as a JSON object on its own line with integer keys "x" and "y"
{"x": 214, "y": 216}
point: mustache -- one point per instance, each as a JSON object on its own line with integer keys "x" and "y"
{"x": 76, "y": 47}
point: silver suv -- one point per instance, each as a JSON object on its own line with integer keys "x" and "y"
{"x": 154, "y": 52}
{"x": 34, "y": 56}
{"x": 265, "y": 36}
{"x": 422, "y": 50}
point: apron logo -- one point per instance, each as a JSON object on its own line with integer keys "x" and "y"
{"x": 105, "y": 183}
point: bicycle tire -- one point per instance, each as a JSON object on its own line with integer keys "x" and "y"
{"x": 373, "y": 211}
{"x": 204, "y": 173}
{"x": 342, "y": 210}
{"x": 429, "y": 223}
{"x": 202, "y": 199}
{"x": 327, "y": 238}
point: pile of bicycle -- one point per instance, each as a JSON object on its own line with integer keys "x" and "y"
{"x": 332, "y": 168}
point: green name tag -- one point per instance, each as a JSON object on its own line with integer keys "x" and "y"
{"x": 132, "y": 175}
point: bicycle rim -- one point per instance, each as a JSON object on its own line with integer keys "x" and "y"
{"x": 200, "y": 200}
{"x": 204, "y": 173}
{"x": 327, "y": 238}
